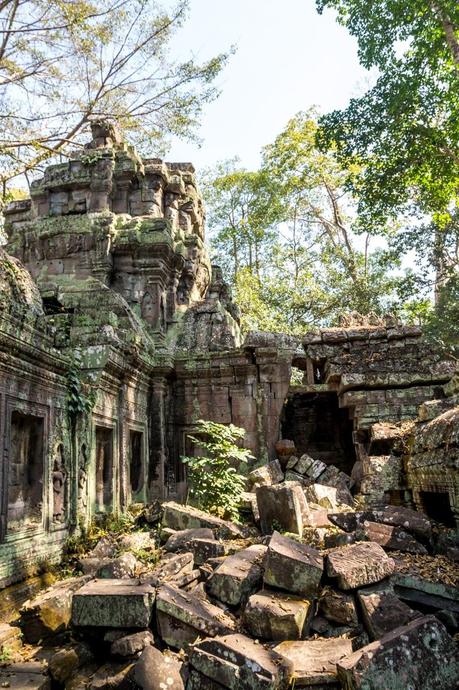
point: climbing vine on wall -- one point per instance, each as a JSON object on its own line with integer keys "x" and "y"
{"x": 80, "y": 396}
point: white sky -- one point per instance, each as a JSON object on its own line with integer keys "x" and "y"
{"x": 288, "y": 58}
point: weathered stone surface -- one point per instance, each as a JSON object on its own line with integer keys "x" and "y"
{"x": 292, "y": 566}
{"x": 282, "y": 506}
{"x": 349, "y": 521}
{"x": 382, "y": 610}
{"x": 113, "y": 604}
{"x": 249, "y": 506}
{"x": 338, "y": 607}
{"x": 420, "y": 655}
{"x": 171, "y": 566}
{"x": 112, "y": 676}
{"x": 332, "y": 541}
{"x": 125, "y": 566}
{"x": 272, "y": 615}
{"x": 429, "y": 595}
{"x": 49, "y": 613}
{"x": 30, "y": 675}
{"x": 179, "y": 541}
{"x": 130, "y": 645}
{"x": 182, "y": 617}
{"x": 203, "y": 549}
{"x": 237, "y": 663}
{"x": 412, "y": 521}
{"x": 157, "y": 671}
{"x": 285, "y": 448}
{"x": 137, "y": 541}
{"x": 314, "y": 661}
{"x": 238, "y": 576}
{"x": 359, "y": 564}
{"x": 179, "y": 517}
{"x": 324, "y": 496}
{"x": 105, "y": 548}
{"x": 392, "y": 538}
{"x": 66, "y": 661}
{"x": 266, "y": 475}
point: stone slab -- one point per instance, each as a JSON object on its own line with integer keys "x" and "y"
{"x": 338, "y": 607}
{"x": 180, "y": 541}
{"x": 266, "y": 475}
{"x": 236, "y": 662}
{"x": 292, "y": 566}
{"x": 113, "y": 604}
{"x": 382, "y": 610}
{"x": 179, "y": 517}
{"x": 273, "y": 615}
{"x": 419, "y": 656}
{"x": 25, "y": 676}
{"x": 282, "y": 506}
{"x": 392, "y": 538}
{"x": 359, "y": 564}
{"x": 182, "y": 617}
{"x": 314, "y": 661}
{"x": 238, "y": 576}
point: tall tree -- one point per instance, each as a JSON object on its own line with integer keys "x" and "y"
{"x": 404, "y": 132}
{"x": 63, "y": 62}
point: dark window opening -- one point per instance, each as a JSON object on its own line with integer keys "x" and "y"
{"x": 395, "y": 497}
{"x": 135, "y": 464}
{"x": 104, "y": 468}
{"x": 320, "y": 428}
{"x": 436, "y": 505}
{"x": 319, "y": 370}
{"x": 52, "y": 306}
{"x": 25, "y": 472}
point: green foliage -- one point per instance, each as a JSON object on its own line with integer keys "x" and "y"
{"x": 6, "y": 655}
{"x": 214, "y": 478}
{"x": 404, "y": 132}
{"x": 80, "y": 396}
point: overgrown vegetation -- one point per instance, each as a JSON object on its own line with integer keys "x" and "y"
{"x": 215, "y": 476}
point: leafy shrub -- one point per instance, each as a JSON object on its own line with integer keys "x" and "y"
{"x": 215, "y": 484}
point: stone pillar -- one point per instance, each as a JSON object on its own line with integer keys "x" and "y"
{"x": 157, "y": 479}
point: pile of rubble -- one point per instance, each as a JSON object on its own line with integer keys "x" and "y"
{"x": 232, "y": 606}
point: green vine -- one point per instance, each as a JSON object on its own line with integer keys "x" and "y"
{"x": 80, "y": 396}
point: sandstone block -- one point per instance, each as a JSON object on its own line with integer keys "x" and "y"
{"x": 112, "y": 676}
{"x": 179, "y": 541}
{"x": 359, "y": 564}
{"x": 324, "y": 496}
{"x": 65, "y": 662}
{"x": 182, "y": 617}
{"x": 338, "y": 607}
{"x": 238, "y": 576}
{"x": 420, "y": 655}
{"x": 179, "y": 517}
{"x": 30, "y": 675}
{"x": 314, "y": 661}
{"x": 382, "y": 610}
{"x": 285, "y": 448}
{"x": 113, "y": 604}
{"x": 123, "y": 567}
{"x": 130, "y": 645}
{"x": 309, "y": 467}
{"x": 292, "y": 566}
{"x": 158, "y": 671}
{"x": 272, "y": 615}
{"x": 203, "y": 549}
{"x": 172, "y": 565}
{"x": 236, "y": 662}
{"x": 282, "y": 506}
{"x": 267, "y": 475}
{"x": 392, "y": 538}
{"x": 412, "y": 521}
{"x": 136, "y": 541}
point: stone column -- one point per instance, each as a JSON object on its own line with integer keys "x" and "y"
{"x": 158, "y": 447}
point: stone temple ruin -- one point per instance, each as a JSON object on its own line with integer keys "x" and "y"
{"x": 117, "y": 334}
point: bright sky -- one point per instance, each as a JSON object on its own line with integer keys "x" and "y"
{"x": 288, "y": 58}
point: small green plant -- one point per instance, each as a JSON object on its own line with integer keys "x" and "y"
{"x": 80, "y": 396}
{"x": 5, "y": 655}
{"x": 214, "y": 478}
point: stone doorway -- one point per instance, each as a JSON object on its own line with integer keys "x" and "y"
{"x": 104, "y": 469}
{"x": 436, "y": 505}
{"x": 136, "y": 465}
{"x": 319, "y": 428}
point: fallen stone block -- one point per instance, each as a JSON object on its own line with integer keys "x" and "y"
{"x": 309, "y": 467}
{"x": 236, "y": 662}
{"x": 431, "y": 596}
{"x": 282, "y": 506}
{"x": 420, "y": 655}
{"x": 125, "y": 566}
{"x": 249, "y": 506}
{"x": 131, "y": 645}
{"x": 338, "y": 607}
{"x": 203, "y": 549}
{"x": 90, "y": 566}
{"x": 180, "y": 541}
{"x": 350, "y": 521}
{"x": 105, "y": 548}
{"x": 171, "y": 566}
{"x": 66, "y": 661}
{"x": 158, "y": 671}
{"x": 292, "y": 476}
{"x": 179, "y": 517}
{"x": 10, "y": 637}
{"x": 285, "y": 449}
{"x": 359, "y": 564}
{"x": 112, "y": 676}
{"x": 382, "y": 610}
{"x": 392, "y": 538}
{"x": 266, "y": 475}
{"x": 324, "y": 496}
{"x": 332, "y": 541}
{"x": 29, "y": 675}
{"x": 410, "y": 520}
{"x": 137, "y": 541}
{"x": 113, "y": 604}
{"x": 183, "y": 581}
{"x": 182, "y": 617}
{"x": 272, "y": 615}
{"x": 336, "y": 479}
{"x": 292, "y": 566}
{"x": 238, "y": 576}
{"x": 50, "y": 612}
{"x": 314, "y": 661}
